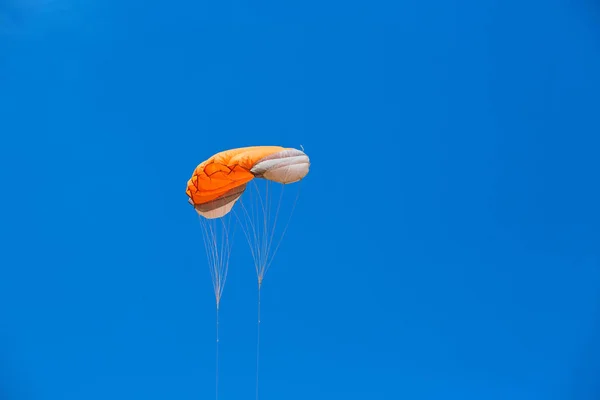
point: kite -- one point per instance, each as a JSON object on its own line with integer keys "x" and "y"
{"x": 216, "y": 186}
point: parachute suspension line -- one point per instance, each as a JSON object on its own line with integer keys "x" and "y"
{"x": 275, "y": 221}
{"x": 258, "y": 340}
{"x": 218, "y": 255}
{"x": 284, "y": 229}
{"x": 260, "y": 236}
{"x": 251, "y": 228}
{"x": 262, "y": 245}
{"x": 209, "y": 239}
{"x": 209, "y": 245}
{"x": 217, "y": 359}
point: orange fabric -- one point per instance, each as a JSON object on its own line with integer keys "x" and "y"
{"x": 224, "y": 171}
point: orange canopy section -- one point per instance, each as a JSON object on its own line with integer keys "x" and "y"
{"x": 225, "y": 171}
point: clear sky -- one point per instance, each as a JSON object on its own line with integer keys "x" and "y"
{"x": 446, "y": 241}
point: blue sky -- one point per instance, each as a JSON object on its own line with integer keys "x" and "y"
{"x": 445, "y": 245}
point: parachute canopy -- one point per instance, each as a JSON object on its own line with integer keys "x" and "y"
{"x": 218, "y": 182}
